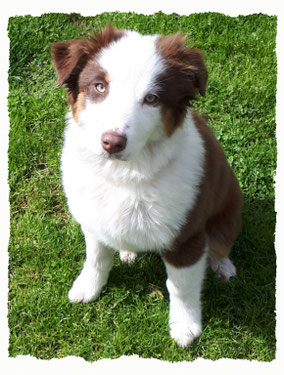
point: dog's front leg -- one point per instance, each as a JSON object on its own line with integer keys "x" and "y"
{"x": 184, "y": 285}
{"x": 99, "y": 260}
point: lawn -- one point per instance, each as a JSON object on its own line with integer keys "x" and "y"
{"x": 46, "y": 248}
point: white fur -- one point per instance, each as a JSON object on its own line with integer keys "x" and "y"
{"x": 99, "y": 260}
{"x": 138, "y": 203}
{"x": 127, "y": 256}
{"x": 184, "y": 286}
{"x": 223, "y": 267}
{"x": 128, "y": 204}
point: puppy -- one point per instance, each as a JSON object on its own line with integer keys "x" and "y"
{"x": 140, "y": 171}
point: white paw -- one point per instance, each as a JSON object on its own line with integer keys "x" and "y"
{"x": 224, "y": 268}
{"x": 127, "y": 256}
{"x": 184, "y": 333}
{"x": 84, "y": 290}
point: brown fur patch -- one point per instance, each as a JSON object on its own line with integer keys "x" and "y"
{"x": 186, "y": 253}
{"x": 188, "y": 61}
{"x": 107, "y": 77}
{"x": 93, "y": 74}
{"x": 78, "y": 106}
{"x": 172, "y": 118}
{"x": 185, "y": 75}
{"x": 216, "y": 216}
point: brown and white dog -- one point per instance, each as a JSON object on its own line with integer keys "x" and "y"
{"x": 141, "y": 172}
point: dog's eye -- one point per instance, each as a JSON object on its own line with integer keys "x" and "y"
{"x": 151, "y": 99}
{"x": 100, "y": 87}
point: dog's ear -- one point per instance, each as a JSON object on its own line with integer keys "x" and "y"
{"x": 69, "y": 60}
{"x": 71, "y": 57}
{"x": 185, "y": 61}
{"x": 196, "y": 69}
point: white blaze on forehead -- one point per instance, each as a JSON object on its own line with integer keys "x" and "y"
{"x": 133, "y": 63}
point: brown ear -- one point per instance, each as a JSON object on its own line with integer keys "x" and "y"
{"x": 196, "y": 69}
{"x": 69, "y": 59}
{"x": 188, "y": 61}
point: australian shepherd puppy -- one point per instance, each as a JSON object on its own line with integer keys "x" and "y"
{"x": 141, "y": 172}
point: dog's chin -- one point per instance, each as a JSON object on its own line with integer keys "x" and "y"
{"x": 119, "y": 156}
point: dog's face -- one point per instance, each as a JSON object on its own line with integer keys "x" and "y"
{"x": 128, "y": 91}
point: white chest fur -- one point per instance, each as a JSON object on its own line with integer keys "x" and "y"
{"x": 130, "y": 213}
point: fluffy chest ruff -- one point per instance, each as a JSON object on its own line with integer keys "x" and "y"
{"x": 135, "y": 206}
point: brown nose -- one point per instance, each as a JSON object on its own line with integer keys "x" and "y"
{"x": 112, "y": 142}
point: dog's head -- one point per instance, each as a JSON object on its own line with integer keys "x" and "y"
{"x": 127, "y": 90}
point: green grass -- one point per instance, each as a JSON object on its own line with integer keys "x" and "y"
{"x": 46, "y": 246}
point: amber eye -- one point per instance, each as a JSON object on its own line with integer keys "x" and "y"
{"x": 151, "y": 99}
{"x": 100, "y": 87}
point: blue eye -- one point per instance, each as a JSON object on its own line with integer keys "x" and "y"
{"x": 100, "y": 87}
{"x": 151, "y": 99}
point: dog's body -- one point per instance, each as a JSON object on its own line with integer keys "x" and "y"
{"x": 140, "y": 171}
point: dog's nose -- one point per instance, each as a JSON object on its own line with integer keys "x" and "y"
{"x": 112, "y": 142}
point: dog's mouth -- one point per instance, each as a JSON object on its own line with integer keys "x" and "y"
{"x": 116, "y": 156}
